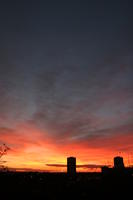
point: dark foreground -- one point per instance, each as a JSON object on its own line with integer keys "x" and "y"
{"x": 61, "y": 186}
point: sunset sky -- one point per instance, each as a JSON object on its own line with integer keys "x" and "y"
{"x": 66, "y": 82}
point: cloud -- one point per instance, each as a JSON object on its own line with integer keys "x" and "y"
{"x": 90, "y": 166}
{"x": 63, "y": 90}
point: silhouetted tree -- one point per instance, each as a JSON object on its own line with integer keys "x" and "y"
{"x": 3, "y": 151}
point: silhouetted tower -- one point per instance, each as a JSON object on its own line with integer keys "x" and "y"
{"x": 71, "y": 165}
{"x": 118, "y": 162}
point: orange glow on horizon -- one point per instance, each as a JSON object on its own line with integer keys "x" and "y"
{"x": 34, "y": 151}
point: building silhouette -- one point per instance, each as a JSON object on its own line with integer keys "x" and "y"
{"x": 118, "y": 162}
{"x": 71, "y": 165}
{"x": 118, "y": 171}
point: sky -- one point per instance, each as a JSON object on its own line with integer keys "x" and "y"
{"x": 66, "y": 82}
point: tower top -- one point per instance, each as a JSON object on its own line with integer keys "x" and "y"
{"x": 118, "y": 162}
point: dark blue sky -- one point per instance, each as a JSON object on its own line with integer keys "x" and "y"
{"x": 66, "y": 68}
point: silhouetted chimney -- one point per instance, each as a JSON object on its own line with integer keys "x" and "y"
{"x": 71, "y": 165}
{"x": 118, "y": 162}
